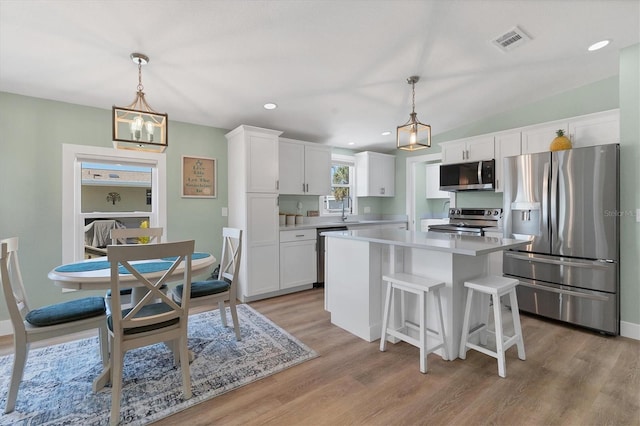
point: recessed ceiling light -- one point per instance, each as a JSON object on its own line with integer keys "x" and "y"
{"x": 351, "y": 143}
{"x": 598, "y": 45}
{"x": 270, "y": 105}
{"x": 387, "y": 133}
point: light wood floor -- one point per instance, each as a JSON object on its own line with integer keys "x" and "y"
{"x": 571, "y": 377}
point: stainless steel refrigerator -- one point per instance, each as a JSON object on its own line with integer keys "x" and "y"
{"x": 566, "y": 203}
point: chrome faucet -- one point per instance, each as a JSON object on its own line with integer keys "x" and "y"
{"x": 344, "y": 216}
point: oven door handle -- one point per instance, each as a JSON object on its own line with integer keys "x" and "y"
{"x": 565, "y": 292}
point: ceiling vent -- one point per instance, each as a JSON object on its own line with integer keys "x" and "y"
{"x": 511, "y": 39}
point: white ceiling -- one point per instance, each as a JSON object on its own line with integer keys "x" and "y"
{"x": 336, "y": 69}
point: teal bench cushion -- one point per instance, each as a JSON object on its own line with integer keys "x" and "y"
{"x": 147, "y": 310}
{"x": 204, "y": 288}
{"x": 73, "y": 310}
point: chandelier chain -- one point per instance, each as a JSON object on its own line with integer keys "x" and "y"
{"x": 413, "y": 99}
{"x": 140, "y": 86}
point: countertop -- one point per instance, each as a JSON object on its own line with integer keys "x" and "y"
{"x": 468, "y": 245}
{"x": 348, "y": 223}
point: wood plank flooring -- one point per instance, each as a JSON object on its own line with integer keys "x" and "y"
{"x": 571, "y": 377}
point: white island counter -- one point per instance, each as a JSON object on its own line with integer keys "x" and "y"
{"x": 356, "y": 261}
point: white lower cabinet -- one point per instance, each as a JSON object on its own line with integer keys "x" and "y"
{"x": 298, "y": 258}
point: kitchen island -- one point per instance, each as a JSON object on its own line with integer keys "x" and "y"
{"x": 357, "y": 260}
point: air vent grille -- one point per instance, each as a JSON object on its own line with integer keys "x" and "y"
{"x": 511, "y": 39}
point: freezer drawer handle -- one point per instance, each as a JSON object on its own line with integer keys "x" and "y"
{"x": 593, "y": 265}
{"x": 567, "y": 292}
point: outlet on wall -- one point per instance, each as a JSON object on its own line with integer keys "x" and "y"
{"x": 367, "y": 210}
{"x": 225, "y": 212}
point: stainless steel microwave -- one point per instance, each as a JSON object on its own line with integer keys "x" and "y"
{"x": 474, "y": 176}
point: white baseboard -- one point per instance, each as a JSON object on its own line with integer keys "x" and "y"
{"x": 630, "y": 330}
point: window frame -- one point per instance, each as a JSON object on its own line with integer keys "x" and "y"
{"x": 342, "y": 160}
{"x": 73, "y": 218}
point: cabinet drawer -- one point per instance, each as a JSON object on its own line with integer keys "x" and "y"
{"x": 297, "y": 235}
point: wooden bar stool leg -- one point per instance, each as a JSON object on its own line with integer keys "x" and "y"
{"x": 465, "y": 325}
{"x": 438, "y": 303}
{"x": 385, "y": 318}
{"x": 423, "y": 334}
{"x": 516, "y": 324}
{"x": 497, "y": 314}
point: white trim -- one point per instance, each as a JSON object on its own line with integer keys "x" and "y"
{"x": 630, "y": 330}
{"x": 411, "y": 184}
{"x": 71, "y": 238}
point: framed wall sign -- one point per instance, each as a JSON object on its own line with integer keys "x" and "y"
{"x": 199, "y": 177}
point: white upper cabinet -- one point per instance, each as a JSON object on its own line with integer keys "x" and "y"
{"x": 433, "y": 182}
{"x": 506, "y": 145}
{"x": 256, "y": 158}
{"x": 304, "y": 168}
{"x": 466, "y": 150}
{"x": 587, "y": 130}
{"x": 375, "y": 174}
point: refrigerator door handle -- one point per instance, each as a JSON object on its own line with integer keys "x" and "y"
{"x": 553, "y": 195}
{"x": 565, "y": 292}
{"x": 545, "y": 198}
{"x": 590, "y": 264}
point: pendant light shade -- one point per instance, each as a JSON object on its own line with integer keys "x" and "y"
{"x": 413, "y": 135}
{"x": 137, "y": 126}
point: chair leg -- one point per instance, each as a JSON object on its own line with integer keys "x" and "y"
{"x": 223, "y": 313}
{"x": 21, "y": 351}
{"x": 497, "y": 314}
{"x": 184, "y": 365}
{"x": 385, "y": 319}
{"x": 103, "y": 337}
{"x": 465, "y": 325}
{"x": 117, "y": 359}
{"x": 515, "y": 312}
{"x": 234, "y": 317}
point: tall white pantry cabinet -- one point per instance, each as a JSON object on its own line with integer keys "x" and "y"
{"x": 253, "y": 207}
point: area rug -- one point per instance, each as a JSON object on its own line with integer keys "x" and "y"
{"x": 56, "y": 387}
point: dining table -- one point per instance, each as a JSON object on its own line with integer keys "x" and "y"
{"x": 95, "y": 274}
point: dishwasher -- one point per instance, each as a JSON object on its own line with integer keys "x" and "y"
{"x": 320, "y": 280}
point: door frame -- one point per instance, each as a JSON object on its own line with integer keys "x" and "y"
{"x": 410, "y": 197}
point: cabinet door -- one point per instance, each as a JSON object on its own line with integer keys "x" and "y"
{"x": 317, "y": 170}
{"x": 262, "y": 163}
{"x": 453, "y": 152}
{"x": 433, "y": 182}
{"x": 386, "y": 174}
{"x": 298, "y": 263}
{"x": 263, "y": 233}
{"x": 291, "y": 165}
{"x": 507, "y": 145}
{"x": 538, "y": 139}
{"x": 480, "y": 149}
{"x": 597, "y": 129}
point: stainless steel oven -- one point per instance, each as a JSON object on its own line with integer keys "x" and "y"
{"x": 469, "y": 221}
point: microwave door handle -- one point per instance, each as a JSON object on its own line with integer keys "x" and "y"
{"x": 480, "y": 172}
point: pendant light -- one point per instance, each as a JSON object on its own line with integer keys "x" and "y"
{"x": 409, "y": 135}
{"x": 137, "y": 126}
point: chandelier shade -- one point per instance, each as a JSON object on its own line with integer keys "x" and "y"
{"x": 137, "y": 126}
{"x": 413, "y": 135}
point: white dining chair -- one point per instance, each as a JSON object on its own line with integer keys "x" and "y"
{"x": 148, "y": 322}
{"x": 50, "y": 321}
{"x": 123, "y": 236}
{"x": 214, "y": 293}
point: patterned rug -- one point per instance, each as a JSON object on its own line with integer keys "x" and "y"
{"x": 56, "y": 387}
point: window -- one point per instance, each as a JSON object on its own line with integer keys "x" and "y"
{"x": 107, "y": 184}
{"x": 342, "y": 197}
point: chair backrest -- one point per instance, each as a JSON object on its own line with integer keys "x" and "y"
{"x": 230, "y": 261}
{"x": 120, "y": 236}
{"x": 124, "y": 256}
{"x": 12, "y": 286}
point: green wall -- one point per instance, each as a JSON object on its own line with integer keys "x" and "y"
{"x": 32, "y": 133}
{"x": 615, "y": 92}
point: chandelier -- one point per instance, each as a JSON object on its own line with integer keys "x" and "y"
{"x": 137, "y": 126}
{"x": 409, "y": 134}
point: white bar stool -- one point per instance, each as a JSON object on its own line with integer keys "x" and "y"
{"x": 419, "y": 286}
{"x": 496, "y": 287}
